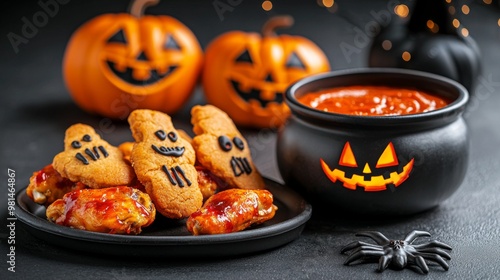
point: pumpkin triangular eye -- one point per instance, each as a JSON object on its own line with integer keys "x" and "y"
{"x": 269, "y": 78}
{"x": 347, "y": 157}
{"x": 388, "y": 157}
{"x": 142, "y": 56}
{"x": 294, "y": 61}
{"x": 171, "y": 44}
{"x": 244, "y": 57}
{"x": 118, "y": 37}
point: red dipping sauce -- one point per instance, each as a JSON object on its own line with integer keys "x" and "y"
{"x": 372, "y": 101}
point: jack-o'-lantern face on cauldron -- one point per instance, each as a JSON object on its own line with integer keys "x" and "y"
{"x": 246, "y": 74}
{"x": 377, "y": 176}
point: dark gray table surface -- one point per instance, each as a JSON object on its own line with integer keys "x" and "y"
{"x": 36, "y": 109}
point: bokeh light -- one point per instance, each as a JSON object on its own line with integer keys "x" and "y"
{"x": 406, "y": 56}
{"x": 465, "y": 9}
{"x": 328, "y": 3}
{"x": 432, "y": 26}
{"x": 401, "y": 10}
{"x": 387, "y": 45}
{"x": 465, "y": 32}
{"x": 267, "y": 5}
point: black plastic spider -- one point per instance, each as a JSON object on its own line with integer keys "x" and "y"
{"x": 398, "y": 253}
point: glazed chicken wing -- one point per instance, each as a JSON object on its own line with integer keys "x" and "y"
{"x": 47, "y": 185}
{"x": 208, "y": 183}
{"x": 232, "y": 210}
{"x": 120, "y": 210}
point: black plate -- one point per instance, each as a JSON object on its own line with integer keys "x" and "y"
{"x": 167, "y": 238}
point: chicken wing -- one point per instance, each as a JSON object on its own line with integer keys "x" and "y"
{"x": 120, "y": 210}
{"x": 208, "y": 183}
{"x": 47, "y": 185}
{"x": 232, "y": 210}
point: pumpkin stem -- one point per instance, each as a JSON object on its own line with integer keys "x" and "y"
{"x": 276, "y": 22}
{"x": 137, "y": 7}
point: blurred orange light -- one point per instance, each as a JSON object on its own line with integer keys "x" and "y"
{"x": 465, "y": 9}
{"x": 432, "y": 26}
{"x": 456, "y": 23}
{"x": 267, "y": 5}
{"x": 465, "y": 32}
{"x": 451, "y": 10}
{"x": 328, "y": 3}
{"x": 401, "y": 10}
{"x": 406, "y": 56}
{"x": 487, "y": 2}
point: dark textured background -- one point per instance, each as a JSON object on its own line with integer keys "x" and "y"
{"x": 36, "y": 109}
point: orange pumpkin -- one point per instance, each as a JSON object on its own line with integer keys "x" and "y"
{"x": 246, "y": 74}
{"x": 116, "y": 63}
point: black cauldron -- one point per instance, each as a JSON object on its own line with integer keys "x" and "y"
{"x": 429, "y": 151}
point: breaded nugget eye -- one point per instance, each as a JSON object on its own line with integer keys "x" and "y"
{"x": 76, "y": 144}
{"x": 172, "y": 136}
{"x": 225, "y": 143}
{"x": 239, "y": 143}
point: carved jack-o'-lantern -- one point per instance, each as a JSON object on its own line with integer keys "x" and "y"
{"x": 246, "y": 74}
{"x": 116, "y": 63}
{"x": 368, "y": 178}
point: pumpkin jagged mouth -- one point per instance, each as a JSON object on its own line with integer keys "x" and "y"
{"x": 254, "y": 94}
{"x": 127, "y": 76}
{"x": 373, "y": 183}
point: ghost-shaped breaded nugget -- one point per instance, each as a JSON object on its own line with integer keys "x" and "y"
{"x": 221, "y": 149}
{"x": 164, "y": 164}
{"x": 89, "y": 159}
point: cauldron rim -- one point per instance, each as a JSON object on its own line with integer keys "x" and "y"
{"x": 392, "y": 77}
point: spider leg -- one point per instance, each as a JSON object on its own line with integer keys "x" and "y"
{"x": 383, "y": 263}
{"x": 375, "y": 235}
{"x": 415, "y": 234}
{"x": 436, "y": 251}
{"x": 360, "y": 244}
{"x": 358, "y": 254}
{"x": 433, "y": 243}
{"x": 420, "y": 262}
{"x": 366, "y": 249}
{"x": 436, "y": 258}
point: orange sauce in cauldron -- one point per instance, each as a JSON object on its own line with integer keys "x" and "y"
{"x": 372, "y": 101}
